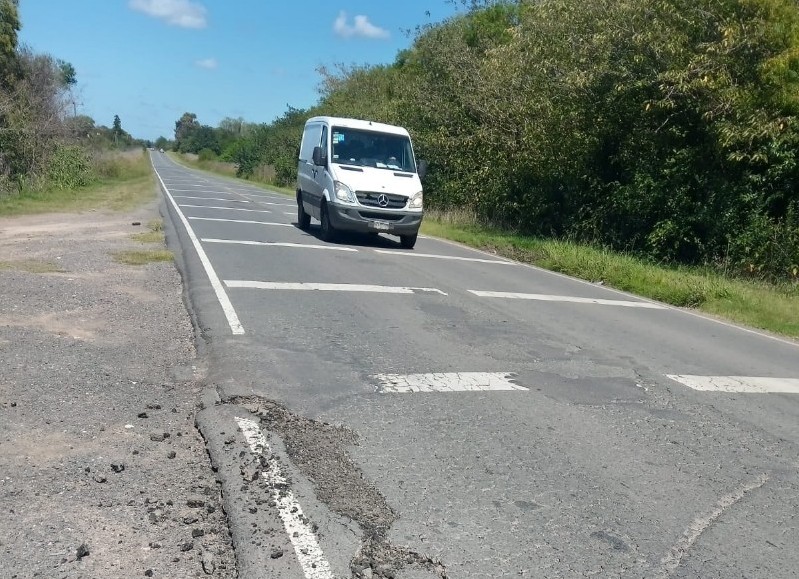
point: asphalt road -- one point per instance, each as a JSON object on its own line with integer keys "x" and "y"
{"x": 443, "y": 412}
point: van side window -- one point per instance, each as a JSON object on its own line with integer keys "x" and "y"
{"x": 310, "y": 139}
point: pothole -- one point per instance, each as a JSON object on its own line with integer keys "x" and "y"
{"x": 317, "y": 450}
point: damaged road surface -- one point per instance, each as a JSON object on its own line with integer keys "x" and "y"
{"x": 442, "y": 413}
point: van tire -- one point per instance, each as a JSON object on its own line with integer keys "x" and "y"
{"x": 327, "y": 233}
{"x": 303, "y": 219}
{"x": 408, "y": 241}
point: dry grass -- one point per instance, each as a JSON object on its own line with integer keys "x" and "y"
{"x": 128, "y": 184}
{"x": 31, "y": 266}
{"x": 142, "y": 257}
{"x": 154, "y": 235}
{"x": 769, "y": 307}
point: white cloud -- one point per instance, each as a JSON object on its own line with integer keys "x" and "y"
{"x": 360, "y": 27}
{"x": 209, "y": 63}
{"x": 183, "y": 13}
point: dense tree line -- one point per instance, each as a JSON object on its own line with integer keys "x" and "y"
{"x": 663, "y": 127}
{"x": 42, "y": 141}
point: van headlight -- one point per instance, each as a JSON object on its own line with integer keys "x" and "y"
{"x": 416, "y": 201}
{"x": 344, "y": 193}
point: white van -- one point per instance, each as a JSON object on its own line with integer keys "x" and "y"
{"x": 359, "y": 176}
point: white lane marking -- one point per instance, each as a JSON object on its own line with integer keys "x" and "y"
{"x": 436, "y": 256}
{"x": 306, "y": 545}
{"x": 330, "y": 287}
{"x": 221, "y": 295}
{"x": 292, "y": 213}
{"x": 212, "y": 191}
{"x": 213, "y": 199}
{"x": 228, "y": 208}
{"x": 549, "y": 298}
{"x": 270, "y": 203}
{"x": 279, "y": 244}
{"x": 259, "y": 196}
{"x": 686, "y": 311}
{"x": 741, "y": 384}
{"x": 446, "y": 382}
{"x": 241, "y": 221}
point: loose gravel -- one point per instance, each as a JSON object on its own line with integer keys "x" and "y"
{"x": 102, "y": 472}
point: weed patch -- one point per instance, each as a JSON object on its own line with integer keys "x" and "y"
{"x": 31, "y": 266}
{"x": 142, "y": 257}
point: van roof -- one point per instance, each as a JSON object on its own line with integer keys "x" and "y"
{"x": 359, "y": 124}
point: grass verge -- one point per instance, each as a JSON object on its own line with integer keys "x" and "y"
{"x": 31, "y": 266}
{"x": 142, "y": 256}
{"x": 229, "y": 170}
{"x": 154, "y": 235}
{"x": 774, "y": 308}
{"x": 126, "y": 182}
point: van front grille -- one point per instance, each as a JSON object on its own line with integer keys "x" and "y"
{"x": 380, "y": 216}
{"x": 372, "y": 199}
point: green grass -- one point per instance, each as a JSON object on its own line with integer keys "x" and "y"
{"x": 154, "y": 235}
{"x": 128, "y": 184}
{"x": 31, "y": 266}
{"x": 142, "y": 256}
{"x": 773, "y": 308}
{"x": 263, "y": 176}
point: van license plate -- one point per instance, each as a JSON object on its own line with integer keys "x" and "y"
{"x": 380, "y": 225}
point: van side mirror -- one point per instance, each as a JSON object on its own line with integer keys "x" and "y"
{"x": 319, "y": 157}
{"x": 421, "y": 168}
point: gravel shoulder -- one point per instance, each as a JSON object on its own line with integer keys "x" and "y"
{"x": 102, "y": 471}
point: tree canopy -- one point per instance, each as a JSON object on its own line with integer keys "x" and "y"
{"x": 663, "y": 127}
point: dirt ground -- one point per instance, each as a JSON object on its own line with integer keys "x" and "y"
{"x": 102, "y": 471}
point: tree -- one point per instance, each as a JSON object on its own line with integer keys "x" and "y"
{"x": 68, "y": 74}
{"x": 117, "y": 126}
{"x": 9, "y": 27}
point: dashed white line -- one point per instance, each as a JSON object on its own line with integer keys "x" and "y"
{"x": 329, "y": 287}
{"x": 437, "y": 256}
{"x": 211, "y": 191}
{"x": 306, "y": 545}
{"x": 576, "y": 300}
{"x": 279, "y": 244}
{"x": 446, "y": 382}
{"x": 213, "y": 199}
{"x": 228, "y": 208}
{"x": 270, "y": 203}
{"x": 221, "y": 295}
{"x": 739, "y": 384}
{"x": 241, "y": 221}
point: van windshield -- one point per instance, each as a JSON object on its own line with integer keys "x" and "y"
{"x": 372, "y": 149}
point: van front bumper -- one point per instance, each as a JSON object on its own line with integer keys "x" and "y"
{"x": 365, "y": 220}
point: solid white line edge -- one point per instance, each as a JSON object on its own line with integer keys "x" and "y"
{"x": 306, "y": 545}
{"x": 224, "y": 301}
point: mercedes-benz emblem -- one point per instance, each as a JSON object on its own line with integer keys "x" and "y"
{"x": 382, "y": 200}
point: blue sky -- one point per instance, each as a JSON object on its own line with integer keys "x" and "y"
{"x": 149, "y": 61}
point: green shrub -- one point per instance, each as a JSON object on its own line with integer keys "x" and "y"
{"x": 207, "y": 155}
{"x": 69, "y": 168}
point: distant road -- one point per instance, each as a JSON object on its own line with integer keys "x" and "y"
{"x": 491, "y": 419}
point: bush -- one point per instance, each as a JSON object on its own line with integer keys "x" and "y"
{"x": 207, "y": 155}
{"x": 70, "y": 168}
{"x": 767, "y": 248}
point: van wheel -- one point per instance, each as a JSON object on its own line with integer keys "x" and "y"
{"x": 326, "y": 229}
{"x": 408, "y": 241}
{"x": 303, "y": 219}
